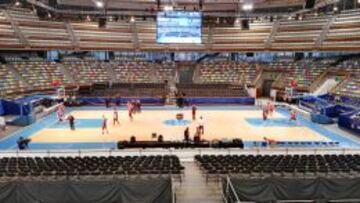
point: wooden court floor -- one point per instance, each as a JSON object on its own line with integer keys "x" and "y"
{"x": 227, "y": 124}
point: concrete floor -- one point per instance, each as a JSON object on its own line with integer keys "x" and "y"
{"x": 194, "y": 187}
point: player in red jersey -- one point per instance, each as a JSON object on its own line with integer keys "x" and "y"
{"x": 130, "y": 107}
{"x": 193, "y": 111}
{"x": 292, "y": 115}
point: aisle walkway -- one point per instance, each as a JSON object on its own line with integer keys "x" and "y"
{"x": 194, "y": 188}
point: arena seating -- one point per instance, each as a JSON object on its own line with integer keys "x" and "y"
{"x": 41, "y": 33}
{"x": 311, "y": 31}
{"x": 143, "y": 71}
{"x": 344, "y": 31}
{"x": 133, "y": 90}
{"x": 232, "y": 72}
{"x": 40, "y": 74}
{"x": 299, "y": 34}
{"x": 114, "y": 36}
{"x": 7, "y": 34}
{"x": 10, "y": 85}
{"x": 350, "y": 87}
{"x": 304, "y": 72}
{"x": 87, "y": 72}
{"x": 211, "y": 90}
{"x": 236, "y": 38}
{"x": 280, "y": 165}
{"x": 77, "y": 167}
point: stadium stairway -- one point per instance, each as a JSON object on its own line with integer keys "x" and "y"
{"x": 66, "y": 72}
{"x": 328, "y": 85}
{"x": 17, "y": 75}
{"x": 195, "y": 189}
{"x": 186, "y": 73}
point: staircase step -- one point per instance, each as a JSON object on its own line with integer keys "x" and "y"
{"x": 195, "y": 189}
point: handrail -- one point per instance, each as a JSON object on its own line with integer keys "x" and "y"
{"x": 135, "y": 37}
{"x": 184, "y": 154}
{"x": 325, "y": 30}
{"x": 230, "y": 186}
{"x": 70, "y": 30}
{"x": 274, "y": 30}
{"x": 333, "y": 90}
{"x": 16, "y": 28}
{"x": 258, "y": 77}
{"x": 210, "y": 39}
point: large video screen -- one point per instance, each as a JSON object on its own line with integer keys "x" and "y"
{"x": 178, "y": 27}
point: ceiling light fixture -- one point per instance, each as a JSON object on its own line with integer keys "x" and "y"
{"x": 247, "y": 7}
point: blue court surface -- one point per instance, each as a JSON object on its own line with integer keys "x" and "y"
{"x": 273, "y": 122}
{"x": 50, "y": 122}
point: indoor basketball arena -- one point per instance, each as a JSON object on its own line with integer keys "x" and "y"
{"x": 179, "y": 101}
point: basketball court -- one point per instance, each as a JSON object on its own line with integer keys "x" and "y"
{"x": 221, "y": 123}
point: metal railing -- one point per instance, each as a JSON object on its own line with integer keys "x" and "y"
{"x": 230, "y": 195}
{"x": 183, "y": 154}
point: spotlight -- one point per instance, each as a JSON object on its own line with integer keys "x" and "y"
{"x": 247, "y": 7}
{"x": 290, "y": 17}
{"x": 49, "y": 15}
{"x": 17, "y": 3}
{"x": 358, "y": 1}
{"x": 132, "y": 19}
{"x": 335, "y": 8}
{"x": 300, "y": 17}
{"x": 168, "y": 8}
{"x": 99, "y": 4}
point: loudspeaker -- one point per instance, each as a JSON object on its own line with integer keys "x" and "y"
{"x": 102, "y": 22}
{"x": 41, "y": 13}
{"x": 249, "y": 54}
{"x": 200, "y": 5}
{"x": 299, "y": 55}
{"x": 245, "y": 24}
{"x": 53, "y": 3}
{"x": 309, "y": 4}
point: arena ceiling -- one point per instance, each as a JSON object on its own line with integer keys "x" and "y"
{"x": 210, "y": 8}
{"x": 204, "y": 5}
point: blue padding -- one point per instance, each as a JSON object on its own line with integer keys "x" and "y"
{"x": 2, "y": 111}
{"x": 33, "y": 98}
{"x": 13, "y": 108}
{"x": 221, "y": 100}
{"x": 349, "y": 123}
{"x": 321, "y": 118}
{"x": 336, "y": 110}
{"x": 350, "y": 101}
{"x": 101, "y": 101}
{"x": 72, "y": 145}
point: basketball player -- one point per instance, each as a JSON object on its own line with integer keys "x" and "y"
{"x": 130, "y": 109}
{"x": 201, "y": 124}
{"x": 292, "y": 115}
{"x": 60, "y": 114}
{"x": 104, "y": 125}
{"x": 265, "y": 113}
{"x": 116, "y": 117}
{"x": 71, "y": 120}
{"x": 193, "y": 110}
{"x": 271, "y": 107}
